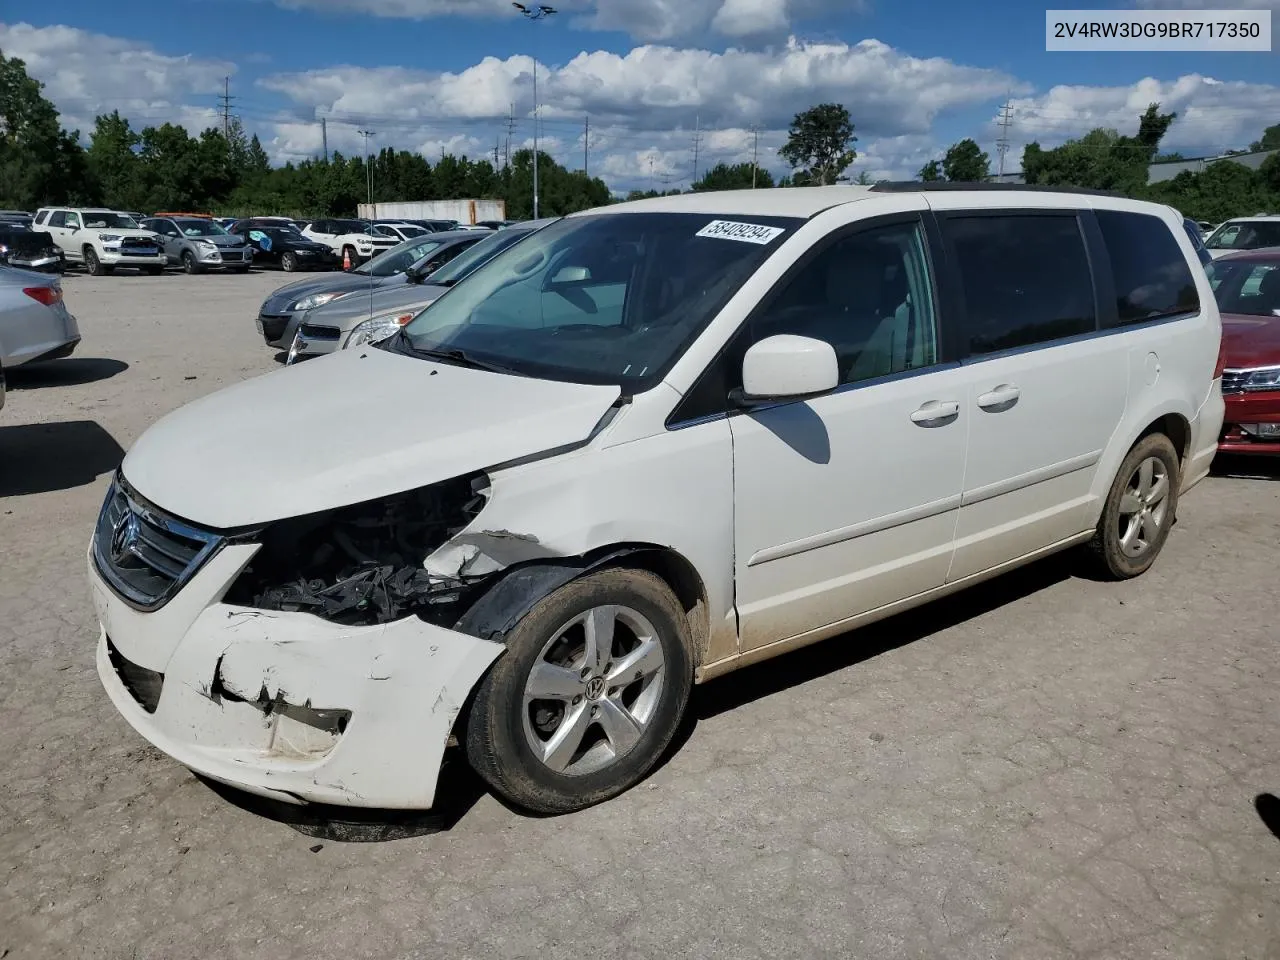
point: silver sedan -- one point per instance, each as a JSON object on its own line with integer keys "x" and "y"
{"x": 34, "y": 321}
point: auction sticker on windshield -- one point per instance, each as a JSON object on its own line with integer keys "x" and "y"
{"x": 745, "y": 232}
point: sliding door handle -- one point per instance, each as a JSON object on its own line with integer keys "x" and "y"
{"x": 936, "y": 413}
{"x": 999, "y": 399}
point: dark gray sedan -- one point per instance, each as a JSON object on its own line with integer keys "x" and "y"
{"x": 428, "y": 252}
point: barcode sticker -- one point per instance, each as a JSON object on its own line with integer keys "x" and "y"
{"x": 744, "y": 232}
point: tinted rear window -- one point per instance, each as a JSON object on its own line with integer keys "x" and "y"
{"x": 1151, "y": 275}
{"x": 1026, "y": 279}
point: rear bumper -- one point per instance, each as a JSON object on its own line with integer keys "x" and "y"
{"x": 288, "y": 706}
{"x": 1250, "y": 408}
{"x": 46, "y": 264}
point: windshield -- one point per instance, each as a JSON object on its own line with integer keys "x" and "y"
{"x": 599, "y": 299}
{"x": 96, "y": 220}
{"x": 200, "y": 228}
{"x": 1248, "y": 287}
{"x": 465, "y": 263}
{"x": 1245, "y": 236}
{"x": 398, "y": 259}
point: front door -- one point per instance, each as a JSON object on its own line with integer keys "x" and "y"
{"x": 847, "y": 502}
{"x": 1043, "y": 392}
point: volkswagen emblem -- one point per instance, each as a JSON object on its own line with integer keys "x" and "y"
{"x": 595, "y": 688}
{"x": 123, "y": 536}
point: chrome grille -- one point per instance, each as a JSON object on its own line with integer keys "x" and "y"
{"x": 145, "y": 555}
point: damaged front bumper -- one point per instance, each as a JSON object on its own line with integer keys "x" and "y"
{"x": 287, "y": 705}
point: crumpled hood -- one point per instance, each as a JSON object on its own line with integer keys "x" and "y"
{"x": 282, "y": 297}
{"x": 1250, "y": 341}
{"x": 346, "y": 428}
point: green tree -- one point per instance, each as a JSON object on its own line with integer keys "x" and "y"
{"x": 737, "y": 176}
{"x": 965, "y": 161}
{"x": 40, "y": 162}
{"x": 1270, "y": 140}
{"x": 113, "y": 161}
{"x": 930, "y": 172}
{"x": 1101, "y": 159}
{"x": 820, "y": 144}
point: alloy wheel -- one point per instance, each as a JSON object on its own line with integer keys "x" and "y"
{"x": 1144, "y": 507}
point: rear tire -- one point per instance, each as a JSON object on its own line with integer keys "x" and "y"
{"x": 289, "y": 262}
{"x": 562, "y": 722}
{"x": 1139, "y": 510}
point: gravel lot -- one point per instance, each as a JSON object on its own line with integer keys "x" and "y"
{"x": 1043, "y": 767}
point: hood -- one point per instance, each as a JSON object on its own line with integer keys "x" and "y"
{"x": 291, "y": 293}
{"x": 387, "y": 296}
{"x": 222, "y": 240}
{"x": 346, "y": 428}
{"x": 1251, "y": 341}
{"x": 302, "y": 243}
{"x": 124, "y": 232}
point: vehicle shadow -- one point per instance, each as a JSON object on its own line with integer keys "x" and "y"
{"x": 1268, "y": 807}
{"x": 1242, "y": 467}
{"x": 70, "y": 372}
{"x": 43, "y": 457}
{"x": 457, "y": 791}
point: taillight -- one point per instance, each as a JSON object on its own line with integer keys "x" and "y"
{"x": 1222, "y": 359}
{"x": 46, "y": 295}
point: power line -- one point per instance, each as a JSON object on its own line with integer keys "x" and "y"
{"x": 1002, "y": 145}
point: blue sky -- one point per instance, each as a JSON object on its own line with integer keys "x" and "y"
{"x": 441, "y": 74}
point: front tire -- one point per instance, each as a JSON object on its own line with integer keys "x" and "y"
{"x": 1139, "y": 510}
{"x": 189, "y": 264}
{"x": 94, "y": 266}
{"x": 289, "y": 262}
{"x": 587, "y": 697}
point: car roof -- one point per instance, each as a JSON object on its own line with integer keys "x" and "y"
{"x": 1260, "y": 255}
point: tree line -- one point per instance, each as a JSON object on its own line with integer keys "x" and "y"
{"x": 226, "y": 171}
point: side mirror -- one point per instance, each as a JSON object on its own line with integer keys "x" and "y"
{"x": 787, "y": 367}
{"x": 571, "y": 275}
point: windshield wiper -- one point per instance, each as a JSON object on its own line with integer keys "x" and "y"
{"x": 453, "y": 355}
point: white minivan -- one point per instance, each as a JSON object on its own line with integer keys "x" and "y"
{"x": 647, "y": 446}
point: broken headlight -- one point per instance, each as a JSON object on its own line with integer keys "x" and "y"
{"x": 362, "y": 565}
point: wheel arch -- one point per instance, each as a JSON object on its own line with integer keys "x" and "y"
{"x": 1170, "y": 418}
{"x": 516, "y": 590}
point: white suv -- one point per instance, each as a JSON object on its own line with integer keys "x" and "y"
{"x": 644, "y": 447}
{"x": 354, "y": 239}
{"x": 101, "y": 239}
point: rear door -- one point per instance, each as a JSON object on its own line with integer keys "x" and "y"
{"x": 1044, "y": 392}
{"x": 57, "y": 228}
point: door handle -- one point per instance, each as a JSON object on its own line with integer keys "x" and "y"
{"x": 935, "y": 413}
{"x": 999, "y": 399}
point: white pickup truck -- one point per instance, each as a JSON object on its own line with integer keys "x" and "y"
{"x": 101, "y": 239}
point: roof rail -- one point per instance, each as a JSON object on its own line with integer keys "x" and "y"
{"x": 944, "y": 186}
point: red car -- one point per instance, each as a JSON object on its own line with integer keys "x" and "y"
{"x": 1247, "y": 287}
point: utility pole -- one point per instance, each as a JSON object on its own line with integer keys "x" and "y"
{"x": 586, "y": 145}
{"x": 697, "y": 141}
{"x": 755, "y": 153}
{"x": 511, "y": 126}
{"x": 368, "y": 168}
{"x": 324, "y": 138}
{"x": 1002, "y": 145}
{"x": 225, "y": 105}
{"x": 496, "y": 145}
{"x": 534, "y": 15}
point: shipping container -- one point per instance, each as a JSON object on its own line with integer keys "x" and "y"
{"x": 464, "y": 211}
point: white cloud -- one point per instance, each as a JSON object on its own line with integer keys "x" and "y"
{"x": 86, "y": 74}
{"x": 1213, "y": 115}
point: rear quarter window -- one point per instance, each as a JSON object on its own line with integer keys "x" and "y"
{"x": 1153, "y": 280}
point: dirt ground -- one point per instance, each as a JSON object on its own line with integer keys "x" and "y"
{"x": 1043, "y": 767}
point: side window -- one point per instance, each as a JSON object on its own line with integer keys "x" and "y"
{"x": 1151, "y": 274}
{"x": 869, "y": 296}
{"x": 58, "y": 218}
{"x": 1266, "y": 234}
{"x": 1025, "y": 279}
{"x": 73, "y": 219}
{"x": 1225, "y": 237}
{"x": 41, "y": 217}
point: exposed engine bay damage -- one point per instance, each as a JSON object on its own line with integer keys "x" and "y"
{"x": 363, "y": 565}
